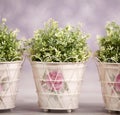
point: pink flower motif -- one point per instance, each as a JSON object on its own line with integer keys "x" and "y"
{"x": 54, "y": 80}
{"x": 117, "y": 83}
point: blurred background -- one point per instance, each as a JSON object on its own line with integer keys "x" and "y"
{"x": 29, "y": 15}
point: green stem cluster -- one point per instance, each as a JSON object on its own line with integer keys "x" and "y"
{"x": 110, "y": 44}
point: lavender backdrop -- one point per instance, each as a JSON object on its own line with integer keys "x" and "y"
{"x": 28, "y": 15}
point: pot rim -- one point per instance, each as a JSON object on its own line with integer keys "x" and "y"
{"x": 57, "y": 63}
{"x": 108, "y": 63}
{"x": 6, "y": 62}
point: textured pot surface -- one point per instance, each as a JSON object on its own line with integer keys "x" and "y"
{"x": 9, "y": 72}
{"x": 110, "y": 82}
{"x": 58, "y": 84}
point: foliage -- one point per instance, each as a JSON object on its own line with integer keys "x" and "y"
{"x": 9, "y": 45}
{"x": 55, "y": 44}
{"x": 110, "y": 44}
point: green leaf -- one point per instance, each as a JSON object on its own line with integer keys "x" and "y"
{"x": 55, "y": 44}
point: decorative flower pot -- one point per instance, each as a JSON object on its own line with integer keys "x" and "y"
{"x": 8, "y": 83}
{"x": 58, "y": 84}
{"x": 110, "y": 82}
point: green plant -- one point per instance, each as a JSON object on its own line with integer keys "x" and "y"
{"x": 9, "y": 45}
{"x": 110, "y": 44}
{"x": 55, "y": 44}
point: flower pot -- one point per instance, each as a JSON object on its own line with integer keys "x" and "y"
{"x": 8, "y": 83}
{"x": 58, "y": 84}
{"x": 110, "y": 82}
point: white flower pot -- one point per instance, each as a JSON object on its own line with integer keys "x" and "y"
{"x": 58, "y": 84}
{"x": 8, "y": 83}
{"x": 110, "y": 82}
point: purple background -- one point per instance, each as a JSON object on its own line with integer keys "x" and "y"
{"x": 28, "y": 15}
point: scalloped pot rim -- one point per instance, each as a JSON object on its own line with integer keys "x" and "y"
{"x": 108, "y": 63}
{"x": 7, "y": 62}
{"x": 58, "y": 63}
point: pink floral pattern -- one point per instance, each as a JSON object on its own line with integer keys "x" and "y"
{"x": 117, "y": 83}
{"x": 54, "y": 80}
